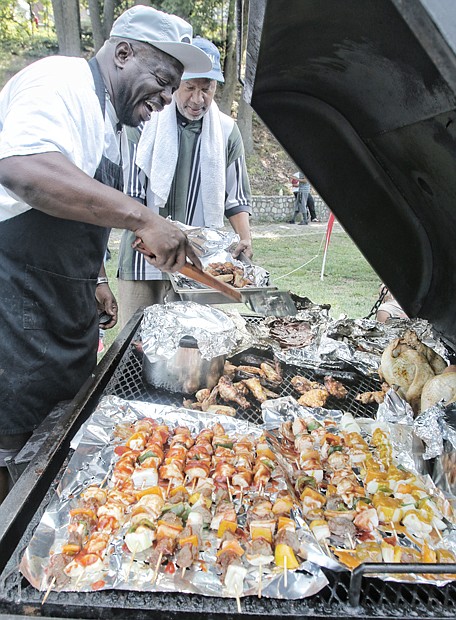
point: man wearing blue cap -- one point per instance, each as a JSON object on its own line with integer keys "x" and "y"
{"x": 197, "y": 178}
{"x": 60, "y": 171}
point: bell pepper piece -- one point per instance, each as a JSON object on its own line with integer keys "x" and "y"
{"x": 230, "y": 526}
{"x": 284, "y": 557}
{"x": 189, "y": 540}
{"x": 149, "y": 491}
{"x": 285, "y": 522}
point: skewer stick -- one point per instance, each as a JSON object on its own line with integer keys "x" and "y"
{"x": 326, "y": 546}
{"x": 130, "y": 565}
{"x": 102, "y": 483}
{"x": 352, "y": 544}
{"x": 157, "y": 567}
{"x": 285, "y": 571}
{"x": 439, "y": 534}
{"x": 238, "y": 600}
{"x": 260, "y": 579}
{"x": 260, "y": 489}
{"x": 184, "y": 568}
{"x": 78, "y": 580}
{"x": 194, "y": 484}
{"x": 393, "y": 529}
{"x": 168, "y": 488}
{"x": 229, "y": 489}
{"x": 48, "y": 591}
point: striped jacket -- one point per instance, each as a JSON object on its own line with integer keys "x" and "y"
{"x": 132, "y": 265}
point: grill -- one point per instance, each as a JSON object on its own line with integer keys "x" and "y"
{"x": 346, "y": 596}
{"x": 127, "y": 383}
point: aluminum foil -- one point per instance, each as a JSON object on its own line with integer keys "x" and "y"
{"x": 356, "y": 343}
{"x": 435, "y": 425}
{"x": 397, "y": 415}
{"x": 91, "y": 463}
{"x": 163, "y": 326}
{"x": 406, "y": 451}
{"x": 215, "y": 246}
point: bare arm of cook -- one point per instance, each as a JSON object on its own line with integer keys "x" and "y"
{"x": 51, "y": 183}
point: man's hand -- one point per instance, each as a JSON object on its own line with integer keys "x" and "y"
{"x": 106, "y": 302}
{"x": 245, "y": 246}
{"x": 165, "y": 246}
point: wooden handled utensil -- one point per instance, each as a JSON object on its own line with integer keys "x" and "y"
{"x": 202, "y": 277}
{"x": 266, "y": 302}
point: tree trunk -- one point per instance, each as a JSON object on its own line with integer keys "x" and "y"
{"x": 108, "y": 17}
{"x": 67, "y": 26}
{"x": 97, "y": 26}
{"x": 230, "y": 69}
{"x": 244, "y": 121}
{"x": 245, "y": 112}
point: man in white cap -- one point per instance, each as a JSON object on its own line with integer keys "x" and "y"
{"x": 190, "y": 166}
{"x": 60, "y": 174}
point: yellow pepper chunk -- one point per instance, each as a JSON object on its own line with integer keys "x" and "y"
{"x": 226, "y": 526}
{"x": 284, "y": 557}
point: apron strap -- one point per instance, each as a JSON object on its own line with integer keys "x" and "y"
{"x": 99, "y": 84}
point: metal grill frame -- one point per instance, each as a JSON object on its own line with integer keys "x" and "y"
{"x": 348, "y": 595}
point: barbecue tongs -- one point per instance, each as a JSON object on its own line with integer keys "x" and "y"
{"x": 269, "y": 303}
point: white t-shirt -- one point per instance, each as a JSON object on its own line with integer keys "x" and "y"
{"x": 52, "y": 106}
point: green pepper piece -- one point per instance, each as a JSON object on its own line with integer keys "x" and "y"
{"x": 146, "y": 455}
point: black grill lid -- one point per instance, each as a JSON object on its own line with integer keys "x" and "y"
{"x": 361, "y": 94}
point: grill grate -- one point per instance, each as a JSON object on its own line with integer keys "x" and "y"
{"x": 378, "y": 599}
{"x": 127, "y": 383}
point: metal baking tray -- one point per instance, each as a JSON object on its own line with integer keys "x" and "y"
{"x": 210, "y": 296}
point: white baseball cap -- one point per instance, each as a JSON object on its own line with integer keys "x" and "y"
{"x": 169, "y": 33}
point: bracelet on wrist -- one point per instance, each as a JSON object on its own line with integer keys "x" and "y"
{"x": 102, "y": 280}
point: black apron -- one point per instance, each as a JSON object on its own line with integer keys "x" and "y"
{"x": 48, "y": 313}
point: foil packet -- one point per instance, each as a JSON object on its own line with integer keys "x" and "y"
{"x": 215, "y": 246}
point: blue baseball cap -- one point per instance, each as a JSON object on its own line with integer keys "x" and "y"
{"x": 210, "y": 50}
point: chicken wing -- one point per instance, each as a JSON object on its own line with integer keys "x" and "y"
{"x": 303, "y": 385}
{"x": 259, "y": 392}
{"x": 230, "y": 393}
{"x": 315, "y": 397}
{"x": 335, "y": 388}
{"x": 272, "y": 374}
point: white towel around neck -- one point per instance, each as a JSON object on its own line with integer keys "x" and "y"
{"x": 157, "y": 157}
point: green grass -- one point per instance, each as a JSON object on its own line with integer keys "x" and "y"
{"x": 350, "y": 285}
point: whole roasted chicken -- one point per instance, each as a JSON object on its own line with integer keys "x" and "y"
{"x": 440, "y": 388}
{"x": 409, "y": 364}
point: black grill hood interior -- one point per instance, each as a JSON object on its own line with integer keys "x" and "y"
{"x": 361, "y": 94}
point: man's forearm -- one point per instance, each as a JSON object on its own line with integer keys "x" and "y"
{"x": 241, "y": 225}
{"x": 51, "y": 183}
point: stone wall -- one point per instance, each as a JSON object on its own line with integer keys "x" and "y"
{"x": 281, "y": 208}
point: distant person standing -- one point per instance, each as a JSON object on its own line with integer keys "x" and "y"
{"x": 311, "y": 207}
{"x": 302, "y": 199}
